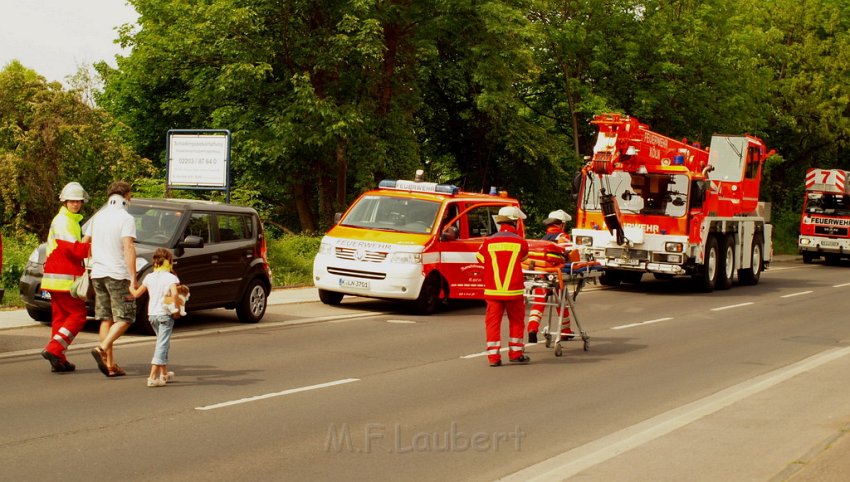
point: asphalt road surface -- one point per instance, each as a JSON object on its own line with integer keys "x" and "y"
{"x": 744, "y": 384}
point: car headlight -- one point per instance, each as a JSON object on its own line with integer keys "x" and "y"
{"x": 140, "y": 263}
{"x": 805, "y": 241}
{"x": 406, "y": 258}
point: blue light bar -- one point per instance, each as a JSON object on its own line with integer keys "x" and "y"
{"x": 418, "y": 186}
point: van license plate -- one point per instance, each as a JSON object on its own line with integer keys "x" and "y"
{"x": 354, "y": 283}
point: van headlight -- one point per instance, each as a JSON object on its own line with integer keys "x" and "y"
{"x": 326, "y": 248}
{"x": 406, "y": 258}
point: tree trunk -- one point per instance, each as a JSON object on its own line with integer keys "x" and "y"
{"x": 302, "y": 206}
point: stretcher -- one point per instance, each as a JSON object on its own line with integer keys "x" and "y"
{"x": 560, "y": 288}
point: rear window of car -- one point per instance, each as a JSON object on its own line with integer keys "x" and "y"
{"x": 235, "y": 227}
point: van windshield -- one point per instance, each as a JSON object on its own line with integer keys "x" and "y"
{"x": 389, "y": 213}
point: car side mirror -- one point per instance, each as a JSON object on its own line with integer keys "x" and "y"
{"x": 191, "y": 242}
{"x": 450, "y": 233}
{"x": 337, "y": 217}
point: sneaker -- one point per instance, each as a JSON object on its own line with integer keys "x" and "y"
{"x": 521, "y": 359}
{"x": 156, "y": 382}
{"x": 115, "y": 371}
{"x": 100, "y": 357}
{"x": 532, "y": 337}
{"x": 169, "y": 377}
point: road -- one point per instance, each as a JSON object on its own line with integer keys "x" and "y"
{"x": 746, "y": 384}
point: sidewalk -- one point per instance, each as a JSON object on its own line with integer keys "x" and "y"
{"x": 19, "y": 318}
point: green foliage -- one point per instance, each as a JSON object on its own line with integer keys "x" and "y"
{"x": 291, "y": 259}
{"x": 16, "y": 250}
{"x": 49, "y": 137}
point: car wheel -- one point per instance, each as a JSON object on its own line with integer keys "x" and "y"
{"x": 40, "y": 315}
{"x": 253, "y": 305}
{"x": 330, "y": 297}
{"x": 429, "y": 296}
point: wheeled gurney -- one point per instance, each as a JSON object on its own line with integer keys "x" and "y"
{"x": 557, "y": 288}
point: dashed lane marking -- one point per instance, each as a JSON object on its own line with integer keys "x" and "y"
{"x": 841, "y": 285}
{"x": 797, "y": 294}
{"x": 640, "y": 323}
{"x": 278, "y": 394}
{"x": 721, "y": 308}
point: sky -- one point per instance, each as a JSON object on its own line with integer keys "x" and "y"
{"x": 56, "y": 37}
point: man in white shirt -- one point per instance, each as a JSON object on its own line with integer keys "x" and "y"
{"x": 113, "y": 233}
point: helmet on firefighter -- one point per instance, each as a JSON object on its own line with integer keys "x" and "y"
{"x": 558, "y": 216}
{"x": 509, "y": 214}
{"x": 73, "y": 191}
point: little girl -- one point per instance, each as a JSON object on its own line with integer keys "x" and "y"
{"x": 159, "y": 284}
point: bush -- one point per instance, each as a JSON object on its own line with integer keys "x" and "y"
{"x": 291, "y": 259}
{"x": 16, "y": 251}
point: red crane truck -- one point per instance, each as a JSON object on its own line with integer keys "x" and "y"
{"x": 652, "y": 204}
{"x": 826, "y": 216}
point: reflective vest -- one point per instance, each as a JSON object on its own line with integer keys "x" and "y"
{"x": 502, "y": 255}
{"x": 65, "y": 252}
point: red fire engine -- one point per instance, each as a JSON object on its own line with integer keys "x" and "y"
{"x": 652, "y": 204}
{"x": 826, "y": 216}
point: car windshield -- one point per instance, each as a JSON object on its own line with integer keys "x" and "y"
{"x": 155, "y": 226}
{"x": 390, "y": 213}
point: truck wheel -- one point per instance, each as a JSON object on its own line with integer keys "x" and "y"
{"x": 610, "y": 278}
{"x": 808, "y": 257}
{"x": 330, "y": 297}
{"x": 707, "y": 277}
{"x": 429, "y": 296}
{"x": 727, "y": 264}
{"x": 751, "y": 275}
{"x": 253, "y": 305}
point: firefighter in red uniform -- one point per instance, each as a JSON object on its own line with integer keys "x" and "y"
{"x": 66, "y": 251}
{"x": 555, "y": 224}
{"x": 502, "y": 255}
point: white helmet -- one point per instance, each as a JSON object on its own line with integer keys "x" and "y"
{"x": 73, "y": 191}
{"x": 509, "y": 213}
{"x": 558, "y": 216}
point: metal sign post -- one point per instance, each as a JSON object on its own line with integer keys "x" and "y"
{"x": 198, "y": 159}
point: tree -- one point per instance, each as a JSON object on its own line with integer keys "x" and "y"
{"x": 49, "y": 137}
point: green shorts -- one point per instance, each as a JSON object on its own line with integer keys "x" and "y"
{"x": 113, "y": 301}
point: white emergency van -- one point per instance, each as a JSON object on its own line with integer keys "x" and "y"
{"x": 409, "y": 240}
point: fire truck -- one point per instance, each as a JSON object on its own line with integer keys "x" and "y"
{"x": 652, "y": 204}
{"x": 409, "y": 240}
{"x": 826, "y": 216}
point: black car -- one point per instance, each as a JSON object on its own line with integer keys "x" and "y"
{"x": 219, "y": 253}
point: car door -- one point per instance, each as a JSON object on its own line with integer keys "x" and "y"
{"x": 457, "y": 256}
{"x": 235, "y": 242}
{"x": 196, "y": 267}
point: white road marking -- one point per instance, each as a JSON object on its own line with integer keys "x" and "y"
{"x": 277, "y": 394}
{"x": 639, "y": 324}
{"x": 568, "y": 464}
{"x": 841, "y": 285}
{"x": 797, "y": 294}
{"x": 408, "y": 322}
{"x": 483, "y": 353}
{"x": 732, "y": 306}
